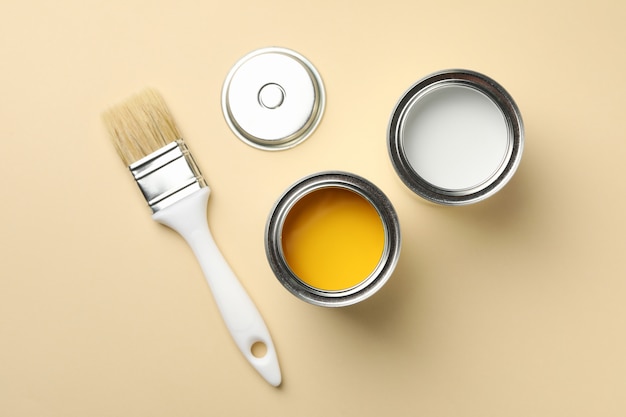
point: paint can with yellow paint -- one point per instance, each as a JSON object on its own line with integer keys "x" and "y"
{"x": 333, "y": 239}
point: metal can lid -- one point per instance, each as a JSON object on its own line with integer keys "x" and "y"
{"x": 273, "y": 98}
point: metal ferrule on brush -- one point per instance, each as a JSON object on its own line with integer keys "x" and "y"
{"x": 167, "y": 175}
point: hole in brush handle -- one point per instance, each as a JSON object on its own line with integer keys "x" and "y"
{"x": 258, "y": 349}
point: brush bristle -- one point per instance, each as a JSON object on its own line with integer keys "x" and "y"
{"x": 140, "y": 126}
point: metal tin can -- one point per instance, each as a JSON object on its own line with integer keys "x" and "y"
{"x": 455, "y": 137}
{"x": 273, "y": 98}
{"x": 347, "y": 264}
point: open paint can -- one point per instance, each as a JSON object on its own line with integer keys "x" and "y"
{"x": 455, "y": 137}
{"x": 333, "y": 239}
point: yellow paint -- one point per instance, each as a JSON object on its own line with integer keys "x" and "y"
{"x": 333, "y": 239}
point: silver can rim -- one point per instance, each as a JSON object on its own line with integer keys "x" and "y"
{"x": 367, "y": 287}
{"x": 297, "y": 137}
{"x": 486, "y": 86}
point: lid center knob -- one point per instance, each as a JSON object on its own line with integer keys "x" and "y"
{"x": 271, "y": 96}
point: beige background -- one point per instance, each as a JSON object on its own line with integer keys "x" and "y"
{"x": 511, "y": 307}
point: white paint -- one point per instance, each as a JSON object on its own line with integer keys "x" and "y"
{"x": 455, "y": 137}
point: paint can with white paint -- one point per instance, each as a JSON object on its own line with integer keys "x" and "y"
{"x": 455, "y": 137}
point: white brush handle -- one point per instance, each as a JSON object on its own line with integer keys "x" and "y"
{"x": 188, "y": 218}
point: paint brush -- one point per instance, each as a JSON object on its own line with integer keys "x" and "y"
{"x": 147, "y": 139}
